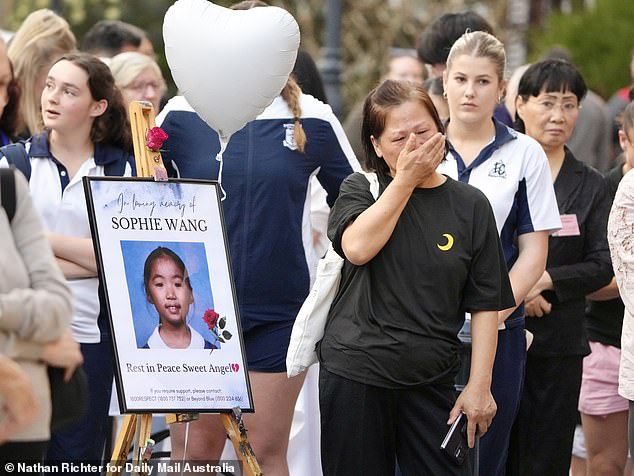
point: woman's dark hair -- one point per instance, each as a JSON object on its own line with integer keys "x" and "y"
{"x": 549, "y": 76}
{"x": 109, "y": 37}
{"x": 436, "y": 40}
{"x": 379, "y": 102}
{"x": 307, "y": 76}
{"x": 113, "y": 126}
{"x": 434, "y": 86}
{"x": 10, "y": 119}
{"x": 161, "y": 252}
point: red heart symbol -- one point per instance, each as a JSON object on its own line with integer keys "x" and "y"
{"x": 235, "y": 367}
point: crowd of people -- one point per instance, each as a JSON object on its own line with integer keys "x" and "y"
{"x": 491, "y": 226}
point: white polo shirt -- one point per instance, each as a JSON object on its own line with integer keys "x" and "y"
{"x": 512, "y": 171}
{"x": 61, "y": 204}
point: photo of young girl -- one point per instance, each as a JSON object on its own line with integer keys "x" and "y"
{"x": 169, "y": 289}
{"x": 173, "y": 309}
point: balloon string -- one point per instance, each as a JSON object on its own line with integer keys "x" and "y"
{"x": 223, "y": 145}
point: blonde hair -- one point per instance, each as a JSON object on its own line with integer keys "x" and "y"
{"x": 291, "y": 94}
{"x": 481, "y": 45}
{"x": 41, "y": 40}
{"x": 127, "y": 66}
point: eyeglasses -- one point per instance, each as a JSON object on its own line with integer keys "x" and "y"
{"x": 548, "y": 106}
{"x": 142, "y": 87}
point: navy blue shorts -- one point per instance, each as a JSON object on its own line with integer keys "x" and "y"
{"x": 266, "y": 346}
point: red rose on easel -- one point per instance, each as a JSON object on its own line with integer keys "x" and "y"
{"x": 155, "y": 138}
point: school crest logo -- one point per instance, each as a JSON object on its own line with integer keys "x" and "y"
{"x": 498, "y": 170}
{"x": 289, "y": 139}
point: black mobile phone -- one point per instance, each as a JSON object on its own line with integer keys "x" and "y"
{"x": 455, "y": 444}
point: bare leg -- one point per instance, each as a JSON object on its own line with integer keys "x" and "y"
{"x": 205, "y": 441}
{"x": 274, "y": 397}
{"x": 606, "y": 443}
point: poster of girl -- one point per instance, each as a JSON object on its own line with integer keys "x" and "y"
{"x": 168, "y": 288}
{"x": 171, "y": 297}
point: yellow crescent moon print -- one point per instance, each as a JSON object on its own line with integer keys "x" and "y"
{"x": 448, "y": 245}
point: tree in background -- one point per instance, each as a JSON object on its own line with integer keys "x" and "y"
{"x": 368, "y": 29}
{"x": 599, "y": 39}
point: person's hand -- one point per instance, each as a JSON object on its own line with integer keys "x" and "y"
{"x": 537, "y": 307}
{"x": 544, "y": 283}
{"x": 479, "y": 406}
{"x": 415, "y": 164}
{"x": 19, "y": 405}
{"x": 64, "y": 353}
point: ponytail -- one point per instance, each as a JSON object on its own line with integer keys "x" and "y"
{"x": 291, "y": 94}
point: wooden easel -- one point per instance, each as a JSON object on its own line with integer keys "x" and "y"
{"x": 150, "y": 164}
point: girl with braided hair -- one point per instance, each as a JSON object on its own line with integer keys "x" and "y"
{"x": 268, "y": 166}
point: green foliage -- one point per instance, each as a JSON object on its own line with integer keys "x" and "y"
{"x": 600, "y": 41}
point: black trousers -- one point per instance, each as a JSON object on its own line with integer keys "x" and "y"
{"x": 541, "y": 439}
{"x": 23, "y": 452}
{"x": 364, "y": 428}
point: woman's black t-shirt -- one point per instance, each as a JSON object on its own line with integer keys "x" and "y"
{"x": 395, "y": 320}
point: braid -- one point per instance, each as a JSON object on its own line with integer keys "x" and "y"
{"x": 291, "y": 94}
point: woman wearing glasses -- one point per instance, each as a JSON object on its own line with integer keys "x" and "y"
{"x": 139, "y": 78}
{"x": 549, "y": 95}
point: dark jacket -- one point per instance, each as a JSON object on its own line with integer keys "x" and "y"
{"x": 577, "y": 265}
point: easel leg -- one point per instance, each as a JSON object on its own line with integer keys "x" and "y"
{"x": 122, "y": 446}
{"x": 238, "y": 434}
{"x": 143, "y": 448}
{"x": 141, "y": 425}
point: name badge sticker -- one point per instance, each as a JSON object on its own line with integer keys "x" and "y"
{"x": 569, "y": 226}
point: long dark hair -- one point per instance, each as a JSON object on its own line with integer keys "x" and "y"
{"x": 553, "y": 75}
{"x": 113, "y": 126}
{"x": 386, "y": 96}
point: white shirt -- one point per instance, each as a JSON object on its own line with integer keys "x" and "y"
{"x": 516, "y": 179}
{"x": 620, "y": 226}
{"x": 66, "y": 212}
{"x": 155, "y": 341}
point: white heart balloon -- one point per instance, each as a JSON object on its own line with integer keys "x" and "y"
{"x": 229, "y": 64}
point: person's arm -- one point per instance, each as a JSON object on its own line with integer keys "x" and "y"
{"x": 366, "y": 236}
{"x": 19, "y": 403}
{"x": 610, "y": 291}
{"x": 41, "y": 311}
{"x": 79, "y": 251}
{"x": 593, "y": 269}
{"x": 529, "y": 267}
{"x": 72, "y": 270}
{"x": 476, "y": 400}
{"x": 620, "y": 224}
{"x": 540, "y": 202}
{"x": 63, "y": 352}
